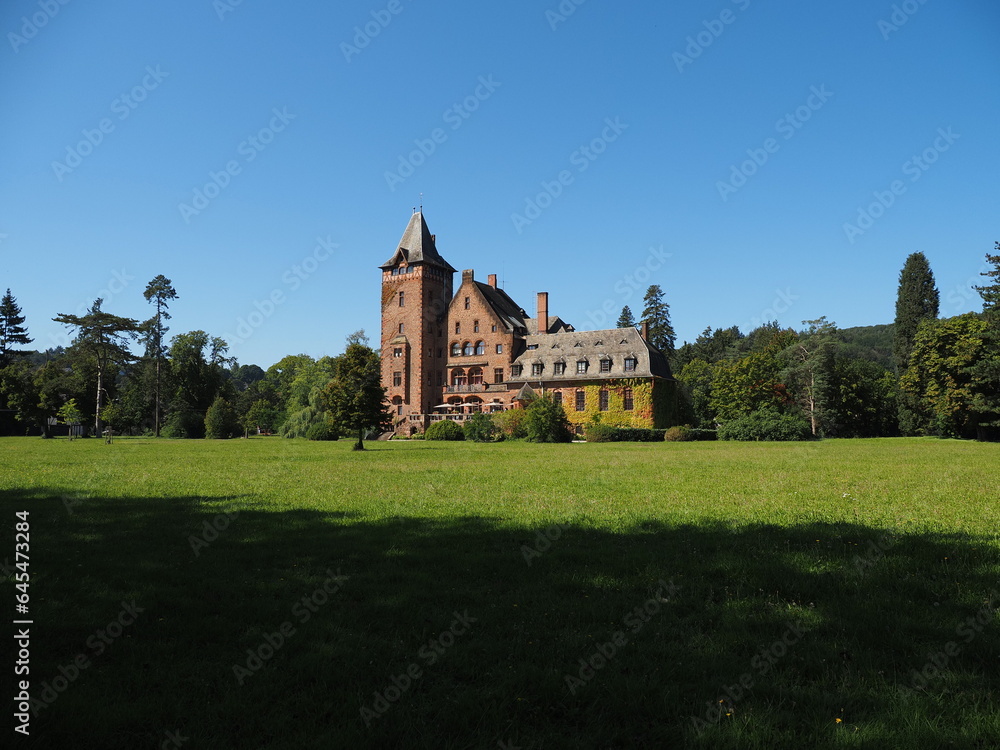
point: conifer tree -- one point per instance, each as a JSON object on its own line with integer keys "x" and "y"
{"x": 917, "y": 300}
{"x": 626, "y": 319}
{"x": 12, "y": 330}
{"x": 657, "y": 314}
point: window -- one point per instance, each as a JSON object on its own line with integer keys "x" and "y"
{"x": 476, "y": 376}
{"x": 515, "y": 371}
{"x": 397, "y": 379}
{"x": 480, "y": 347}
{"x": 466, "y": 303}
{"x": 629, "y": 364}
{"x": 627, "y": 399}
{"x": 532, "y": 347}
{"x": 581, "y": 401}
{"x": 397, "y": 352}
{"x": 400, "y": 327}
{"x": 458, "y": 328}
{"x": 497, "y": 374}
{"x": 605, "y": 365}
{"x": 467, "y": 349}
{"x": 440, "y": 352}
{"x": 456, "y": 349}
{"x": 557, "y": 397}
{"x": 603, "y": 401}
{"x": 536, "y": 369}
{"x": 493, "y": 329}
{"x": 581, "y": 366}
{"x": 475, "y": 326}
{"x": 402, "y": 299}
{"x": 397, "y": 402}
{"x": 458, "y": 377}
{"x": 499, "y": 348}
{"x": 559, "y": 368}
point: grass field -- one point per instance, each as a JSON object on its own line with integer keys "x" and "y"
{"x": 716, "y": 595}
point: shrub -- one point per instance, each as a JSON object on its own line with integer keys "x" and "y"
{"x": 511, "y": 423}
{"x": 766, "y": 424}
{"x": 220, "y": 420}
{"x": 638, "y": 435}
{"x": 184, "y": 424}
{"x": 678, "y": 434}
{"x": 599, "y": 433}
{"x": 545, "y": 422}
{"x": 446, "y": 429}
{"x": 480, "y": 429}
{"x": 322, "y": 431}
{"x": 699, "y": 433}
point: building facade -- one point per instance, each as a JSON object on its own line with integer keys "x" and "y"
{"x": 447, "y": 354}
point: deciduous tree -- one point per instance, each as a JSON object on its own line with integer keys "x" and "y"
{"x": 355, "y": 398}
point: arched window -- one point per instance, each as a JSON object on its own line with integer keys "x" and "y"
{"x": 475, "y": 376}
{"x": 467, "y": 349}
{"x": 480, "y": 347}
{"x": 458, "y": 377}
{"x": 456, "y": 349}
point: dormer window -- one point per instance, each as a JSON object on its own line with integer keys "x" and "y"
{"x": 559, "y": 368}
{"x": 606, "y": 365}
{"x": 536, "y": 369}
{"x": 581, "y": 367}
{"x": 630, "y": 364}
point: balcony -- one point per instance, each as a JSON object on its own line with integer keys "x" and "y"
{"x": 476, "y": 388}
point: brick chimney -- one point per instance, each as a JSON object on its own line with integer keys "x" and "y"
{"x": 492, "y": 280}
{"x": 645, "y": 330}
{"x": 468, "y": 275}
{"x": 543, "y": 312}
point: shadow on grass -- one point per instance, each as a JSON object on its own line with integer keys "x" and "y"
{"x": 469, "y": 632}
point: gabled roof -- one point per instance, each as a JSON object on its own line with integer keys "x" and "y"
{"x": 417, "y": 246}
{"x": 505, "y": 308}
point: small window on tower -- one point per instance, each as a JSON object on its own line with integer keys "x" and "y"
{"x": 499, "y": 348}
{"x": 402, "y": 299}
{"x": 458, "y": 328}
{"x": 466, "y": 303}
{"x": 400, "y": 327}
{"x": 475, "y": 326}
{"x": 397, "y": 352}
{"x": 397, "y": 379}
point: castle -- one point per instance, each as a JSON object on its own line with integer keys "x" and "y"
{"x": 449, "y": 354}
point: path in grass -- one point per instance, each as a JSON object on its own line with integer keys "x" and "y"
{"x": 796, "y": 584}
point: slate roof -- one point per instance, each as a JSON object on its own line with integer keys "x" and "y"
{"x": 505, "y": 307}
{"x": 616, "y": 344}
{"x": 417, "y": 246}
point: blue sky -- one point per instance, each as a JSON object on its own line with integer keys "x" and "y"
{"x": 757, "y": 160}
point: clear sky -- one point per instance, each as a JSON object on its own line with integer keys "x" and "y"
{"x": 266, "y": 156}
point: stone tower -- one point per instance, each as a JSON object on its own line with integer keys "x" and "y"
{"x": 416, "y": 290}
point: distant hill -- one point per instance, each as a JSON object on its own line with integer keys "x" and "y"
{"x": 870, "y": 342}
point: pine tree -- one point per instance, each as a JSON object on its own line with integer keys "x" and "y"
{"x": 916, "y": 301}
{"x": 12, "y": 330}
{"x": 158, "y": 291}
{"x": 625, "y": 320}
{"x": 657, "y": 314}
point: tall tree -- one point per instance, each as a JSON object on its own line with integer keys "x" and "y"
{"x": 657, "y": 314}
{"x": 159, "y": 292}
{"x": 355, "y": 398}
{"x": 103, "y": 338}
{"x": 810, "y": 370}
{"x": 12, "y": 330}
{"x": 626, "y": 319}
{"x": 986, "y": 372}
{"x": 917, "y": 300}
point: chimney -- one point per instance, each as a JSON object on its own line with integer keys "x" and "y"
{"x": 468, "y": 275}
{"x": 543, "y": 312}
{"x": 645, "y": 330}
{"x": 492, "y": 280}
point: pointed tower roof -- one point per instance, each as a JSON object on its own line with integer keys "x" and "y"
{"x": 417, "y": 246}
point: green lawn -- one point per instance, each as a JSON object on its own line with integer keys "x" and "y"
{"x": 752, "y": 594}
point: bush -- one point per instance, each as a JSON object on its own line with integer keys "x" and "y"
{"x": 545, "y": 422}
{"x": 511, "y": 423}
{"x": 322, "y": 431}
{"x": 446, "y": 429}
{"x": 698, "y": 433}
{"x": 766, "y": 424}
{"x": 220, "y": 420}
{"x": 638, "y": 435}
{"x": 599, "y": 433}
{"x": 679, "y": 434}
{"x": 184, "y": 424}
{"x": 480, "y": 429}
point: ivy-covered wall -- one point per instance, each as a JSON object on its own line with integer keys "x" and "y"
{"x": 654, "y": 403}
